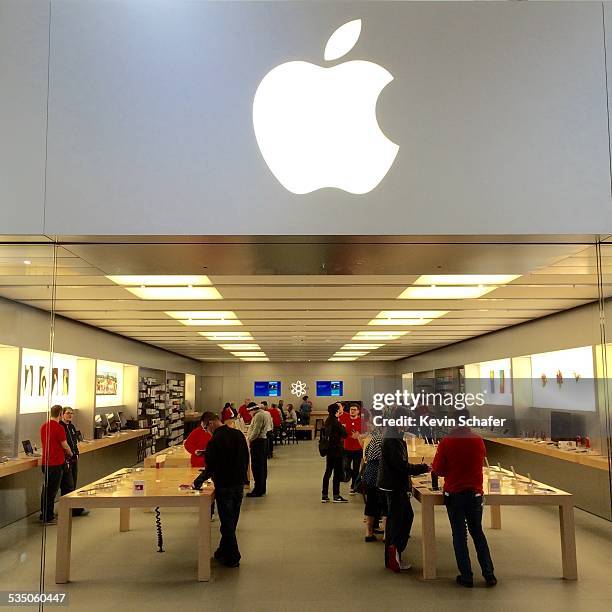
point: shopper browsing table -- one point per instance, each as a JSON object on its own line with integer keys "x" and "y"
{"x": 257, "y": 437}
{"x": 305, "y": 410}
{"x": 243, "y": 411}
{"x": 459, "y": 459}
{"x": 196, "y": 443}
{"x": 227, "y": 461}
{"x": 55, "y": 449}
{"x": 228, "y": 412}
{"x": 394, "y": 480}
{"x": 69, "y": 478}
{"x": 333, "y": 434}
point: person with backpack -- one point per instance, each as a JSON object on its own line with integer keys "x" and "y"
{"x": 331, "y": 447}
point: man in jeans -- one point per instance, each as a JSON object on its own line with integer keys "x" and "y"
{"x": 54, "y": 452}
{"x": 459, "y": 459}
{"x": 227, "y": 461}
{"x": 258, "y": 440}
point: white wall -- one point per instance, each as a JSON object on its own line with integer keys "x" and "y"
{"x": 229, "y": 382}
{"x": 499, "y": 109}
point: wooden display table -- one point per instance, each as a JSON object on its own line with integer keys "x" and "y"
{"x": 161, "y": 489}
{"x": 513, "y": 493}
{"x": 308, "y": 428}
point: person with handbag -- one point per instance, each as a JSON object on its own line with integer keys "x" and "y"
{"x": 71, "y": 470}
{"x": 375, "y": 501}
{"x": 331, "y": 447}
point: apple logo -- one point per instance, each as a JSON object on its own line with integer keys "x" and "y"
{"x": 316, "y": 127}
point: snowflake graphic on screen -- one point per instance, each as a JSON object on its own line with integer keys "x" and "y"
{"x": 298, "y": 388}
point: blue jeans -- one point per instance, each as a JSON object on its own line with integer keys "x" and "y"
{"x": 229, "y": 501}
{"x": 465, "y": 514}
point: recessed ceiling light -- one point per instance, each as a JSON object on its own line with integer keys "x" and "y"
{"x": 350, "y": 353}
{"x": 202, "y": 314}
{"x": 226, "y": 335}
{"x": 359, "y": 347}
{"x": 254, "y": 359}
{"x": 160, "y": 280}
{"x": 209, "y": 322}
{"x": 342, "y": 359}
{"x": 444, "y": 293}
{"x": 465, "y": 279}
{"x": 240, "y": 347}
{"x": 249, "y": 354}
{"x": 379, "y": 335}
{"x": 27, "y": 262}
{"x": 175, "y": 293}
{"x": 406, "y": 317}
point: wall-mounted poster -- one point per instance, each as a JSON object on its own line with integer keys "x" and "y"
{"x": 65, "y": 381}
{"x": 106, "y": 383}
{"x": 54, "y": 381}
{"x": 28, "y": 380}
{"x": 42, "y": 381}
{"x": 493, "y": 378}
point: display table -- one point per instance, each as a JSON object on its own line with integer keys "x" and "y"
{"x": 21, "y": 464}
{"x": 118, "y": 438}
{"x": 306, "y": 428}
{"x": 161, "y": 488}
{"x": 513, "y": 493}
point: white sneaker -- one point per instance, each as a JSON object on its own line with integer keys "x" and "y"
{"x": 404, "y": 566}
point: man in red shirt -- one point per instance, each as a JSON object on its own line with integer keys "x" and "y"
{"x": 244, "y": 411}
{"x": 196, "y": 444}
{"x": 54, "y": 451}
{"x": 277, "y": 417}
{"x": 459, "y": 459}
{"x": 352, "y": 443}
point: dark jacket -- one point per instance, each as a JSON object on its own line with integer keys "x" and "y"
{"x": 395, "y": 471}
{"x": 227, "y": 458}
{"x": 335, "y": 433}
{"x": 71, "y": 438}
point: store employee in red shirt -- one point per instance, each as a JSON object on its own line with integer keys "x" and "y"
{"x": 243, "y": 411}
{"x": 196, "y": 444}
{"x": 55, "y": 449}
{"x": 352, "y": 443}
{"x": 459, "y": 459}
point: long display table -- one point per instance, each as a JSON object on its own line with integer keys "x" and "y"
{"x": 513, "y": 492}
{"x": 161, "y": 488}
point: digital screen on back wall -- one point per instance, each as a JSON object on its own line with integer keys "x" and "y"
{"x": 329, "y": 388}
{"x": 267, "y": 388}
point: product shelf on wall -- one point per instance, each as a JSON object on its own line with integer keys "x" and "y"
{"x": 152, "y": 412}
{"x": 175, "y": 426}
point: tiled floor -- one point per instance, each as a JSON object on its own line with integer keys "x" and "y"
{"x": 299, "y": 554}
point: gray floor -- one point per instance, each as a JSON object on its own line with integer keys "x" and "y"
{"x": 299, "y": 554}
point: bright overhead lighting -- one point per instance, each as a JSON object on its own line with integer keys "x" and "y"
{"x": 27, "y": 262}
{"x": 226, "y": 335}
{"x": 360, "y": 347}
{"x": 465, "y": 279}
{"x": 207, "y": 322}
{"x": 434, "y": 292}
{"x": 342, "y": 359}
{"x": 249, "y": 354}
{"x": 207, "y": 315}
{"x": 379, "y": 335}
{"x": 175, "y": 293}
{"x": 240, "y": 347}
{"x": 159, "y": 280}
{"x": 350, "y": 353}
{"x": 406, "y": 317}
{"x": 254, "y": 359}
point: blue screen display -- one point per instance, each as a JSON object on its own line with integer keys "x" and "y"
{"x": 267, "y": 388}
{"x": 329, "y": 388}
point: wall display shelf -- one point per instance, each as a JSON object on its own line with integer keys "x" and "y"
{"x": 175, "y": 425}
{"x": 152, "y": 412}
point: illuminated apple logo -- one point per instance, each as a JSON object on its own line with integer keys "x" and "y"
{"x": 316, "y": 127}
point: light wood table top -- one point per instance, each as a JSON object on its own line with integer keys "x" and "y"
{"x": 513, "y": 492}
{"x": 21, "y": 464}
{"x": 590, "y": 459}
{"x": 174, "y": 457}
{"x": 161, "y": 488}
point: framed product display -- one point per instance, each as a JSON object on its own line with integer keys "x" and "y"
{"x": 493, "y": 379}
{"x": 106, "y": 384}
{"x": 109, "y": 384}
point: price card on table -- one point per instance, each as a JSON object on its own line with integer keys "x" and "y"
{"x": 494, "y": 485}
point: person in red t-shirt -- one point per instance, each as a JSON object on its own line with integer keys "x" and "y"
{"x": 277, "y": 417}
{"x": 54, "y": 451}
{"x": 459, "y": 459}
{"x": 227, "y": 413}
{"x": 243, "y": 411}
{"x": 196, "y": 444}
{"x": 352, "y": 443}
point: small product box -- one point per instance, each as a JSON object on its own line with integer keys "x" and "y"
{"x": 494, "y": 485}
{"x": 139, "y": 487}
